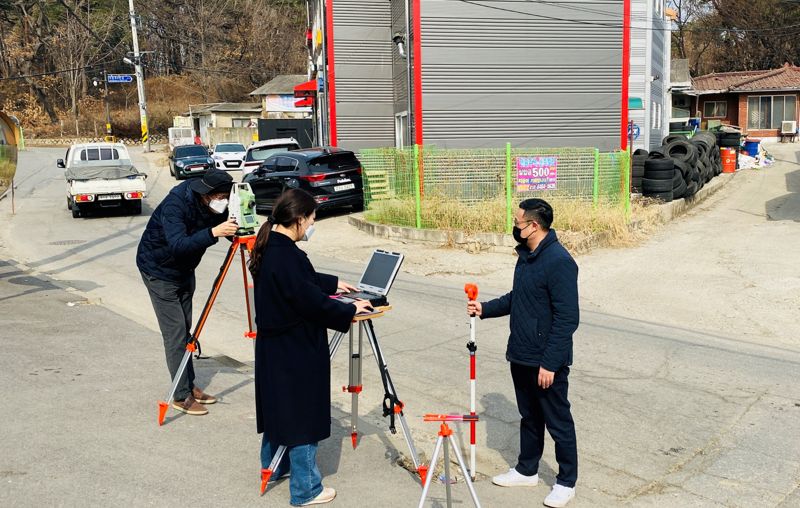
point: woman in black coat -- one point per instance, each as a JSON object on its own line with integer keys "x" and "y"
{"x": 294, "y": 309}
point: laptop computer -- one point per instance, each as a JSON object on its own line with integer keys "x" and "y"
{"x": 377, "y": 278}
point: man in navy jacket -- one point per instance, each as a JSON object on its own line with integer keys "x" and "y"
{"x": 189, "y": 220}
{"x": 543, "y": 309}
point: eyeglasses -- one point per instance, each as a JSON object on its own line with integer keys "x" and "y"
{"x": 517, "y": 223}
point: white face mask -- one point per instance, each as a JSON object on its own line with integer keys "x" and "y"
{"x": 218, "y": 205}
{"x": 308, "y": 234}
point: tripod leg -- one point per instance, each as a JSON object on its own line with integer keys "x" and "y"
{"x": 163, "y": 406}
{"x": 434, "y": 459}
{"x": 267, "y": 473}
{"x": 464, "y": 471}
{"x": 223, "y": 270}
{"x": 447, "y": 488}
{"x": 388, "y": 385}
{"x": 248, "y": 296}
{"x": 355, "y": 384}
{"x": 334, "y": 344}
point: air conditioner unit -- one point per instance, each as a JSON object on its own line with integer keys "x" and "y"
{"x": 789, "y": 127}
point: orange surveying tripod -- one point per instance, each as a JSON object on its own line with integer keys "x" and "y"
{"x": 241, "y": 243}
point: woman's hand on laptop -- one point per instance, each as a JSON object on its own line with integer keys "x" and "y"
{"x": 346, "y": 288}
{"x": 363, "y": 306}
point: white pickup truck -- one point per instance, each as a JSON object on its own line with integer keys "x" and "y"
{"x": 101, "y": 176}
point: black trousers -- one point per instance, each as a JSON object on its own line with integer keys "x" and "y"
{"x": 542, "y": 409}
{"x": 172, "y": 303}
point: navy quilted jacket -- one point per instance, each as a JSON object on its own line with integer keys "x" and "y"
{"x": 177, "y": 236}
{"x": 543, "y": 305}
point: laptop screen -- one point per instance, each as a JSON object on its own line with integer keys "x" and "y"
{"x": 380, "y": 271}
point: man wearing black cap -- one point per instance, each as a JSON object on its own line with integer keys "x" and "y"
{"x": 189, "y": 220}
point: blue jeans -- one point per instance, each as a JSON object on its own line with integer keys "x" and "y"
{"x": 306, "y": 481}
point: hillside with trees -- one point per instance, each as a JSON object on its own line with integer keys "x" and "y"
{"x": 736, "y": 35}
{"x": 197, "y": 51}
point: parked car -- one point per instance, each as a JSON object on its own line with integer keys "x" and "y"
{"x": 331, "y": 175}
{"x": 102, "y": 175}
{"x": 260, "y": 150}
{"x": 189, "y": 160}
{"x": 228, "y": 156}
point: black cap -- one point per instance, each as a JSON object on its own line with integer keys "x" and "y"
{"x": 213, "y": 182}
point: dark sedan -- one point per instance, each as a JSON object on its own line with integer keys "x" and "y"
{"x": 189, "y": 160}
{"x": 331, "y": 175}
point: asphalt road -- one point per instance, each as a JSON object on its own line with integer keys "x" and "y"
{"x": 684, "y": 387}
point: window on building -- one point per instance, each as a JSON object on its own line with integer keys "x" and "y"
{"x": 715, "y": 109}
{"x": 240, "y": 122}
{"x": 766, "y": 112}
{"x": 659, "y": 116}
{"x": 653, "y": 116}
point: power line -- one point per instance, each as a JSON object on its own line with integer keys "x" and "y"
{"x": 618, "y": 26}
{"x": 217, "y": 71}
{"x": 52, "y": 73}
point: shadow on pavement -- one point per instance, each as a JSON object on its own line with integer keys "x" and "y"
{"x": 33, "y": 283}
{"x": 786, "y": 207}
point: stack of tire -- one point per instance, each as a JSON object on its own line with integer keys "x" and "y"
{"x": 637, "y": 170}
{"x": 693, "y": 163}
{"x": 659, "y": 177}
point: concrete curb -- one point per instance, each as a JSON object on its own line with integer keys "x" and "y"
{"x": 473, "y": 243}
{"x": 503, "y": 243}
{"x": 674, "y": 209}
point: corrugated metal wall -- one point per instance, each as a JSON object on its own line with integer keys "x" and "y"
{"x": 639, "y": 86}
{"x": 362, "y": 33}
{"x": 659, "y": 68}
{"x": 400, "y": 65}
{"x": 649, "y": 78}
{"x": 491, "y": 76}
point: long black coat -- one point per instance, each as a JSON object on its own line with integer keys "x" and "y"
{"x": 293, "y": 312}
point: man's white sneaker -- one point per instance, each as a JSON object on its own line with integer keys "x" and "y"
{"x": 326, "y": 496}
{"x": 559, "y": 496}
{"x": 514, "y": 479}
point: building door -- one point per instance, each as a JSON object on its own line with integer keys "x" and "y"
{"x": 401, "y": 129}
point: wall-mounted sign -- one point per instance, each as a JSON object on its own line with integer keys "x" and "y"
{"x": 537, "y": 173}
{"x": 635, "y": 130}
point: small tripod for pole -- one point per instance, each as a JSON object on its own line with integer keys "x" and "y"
{"x": 472, "y": 347}
{"x": 445, "y": 440}
{"x": 244, "y": 243}
{"x": 392, "y": 406}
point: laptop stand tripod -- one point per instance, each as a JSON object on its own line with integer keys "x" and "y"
{"x": 244, "y": 243}
{"x": 392, "y": 406}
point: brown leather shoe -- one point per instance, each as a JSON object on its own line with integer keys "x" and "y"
{"x": 189, "y": 406}
{"x": 201, "y": 397}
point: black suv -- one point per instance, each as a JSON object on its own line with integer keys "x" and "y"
{"x": 330, "y": 174}
{"x": 189, "y": 160}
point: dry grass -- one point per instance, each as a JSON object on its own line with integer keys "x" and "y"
{"x": 167, "y": 96}
{"x": 578, "y": 222}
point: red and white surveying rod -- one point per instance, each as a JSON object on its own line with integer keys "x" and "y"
{"x": 472, "y": 295}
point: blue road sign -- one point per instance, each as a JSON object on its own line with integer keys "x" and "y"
{"x": 120, "y": 78}
{"x": 636, "y": 131}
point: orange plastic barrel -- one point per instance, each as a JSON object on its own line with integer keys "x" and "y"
{"x": 728, "y": 156}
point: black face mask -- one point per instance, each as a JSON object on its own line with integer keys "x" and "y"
{"x": 517, "y": 232}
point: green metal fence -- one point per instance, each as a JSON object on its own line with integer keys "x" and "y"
{"x": 479, "y": 190}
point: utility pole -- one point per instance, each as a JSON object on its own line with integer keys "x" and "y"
{"x": 137, "y": 61}
{"x": 108, "y": 111}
